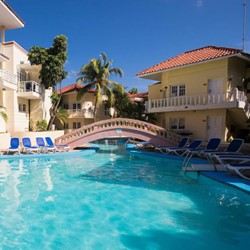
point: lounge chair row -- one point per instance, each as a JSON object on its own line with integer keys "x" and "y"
{"x": 230, "y": 158}
{"x": 43, "y": 146}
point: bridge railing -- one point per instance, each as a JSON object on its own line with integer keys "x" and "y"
{"x": 119, "y": 123}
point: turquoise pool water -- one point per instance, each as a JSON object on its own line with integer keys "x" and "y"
{"x": 116, "y": 201}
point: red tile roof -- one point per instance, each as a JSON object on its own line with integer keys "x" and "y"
{"x": 73, "y": 87}
{"x": 191, "y": 57}
{"x": 138, "y": 95}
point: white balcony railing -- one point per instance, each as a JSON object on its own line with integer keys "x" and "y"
{"x": 194, "y": 102}
{"x": 81, "y": 113}
{"x": 30, "y": 86}
{"x": 8, "y": 80}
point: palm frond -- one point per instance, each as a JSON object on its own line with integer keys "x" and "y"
{"x": 116, "y": 71}
{"x": 119, "y": 88}
{"x": 98, "y": 93}
{"x": 103, "y": 58}
{"x": 110, "y": 95}
{"x": 84, "y": 90}
{"x": 61, "y": 115}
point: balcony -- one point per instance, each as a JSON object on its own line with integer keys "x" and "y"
{"x": 8, "y": 80}
{"x": 29, "y": 90}
{"x": 81, "y": 113}
{"x": 234, "y": 99}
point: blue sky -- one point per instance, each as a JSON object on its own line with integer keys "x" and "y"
{"x": 135, "y": 34}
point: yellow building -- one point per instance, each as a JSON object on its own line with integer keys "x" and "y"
{"x": 202, "y": 93}
{"x": 25, "y": 99}
{"x": 81, "y": 112}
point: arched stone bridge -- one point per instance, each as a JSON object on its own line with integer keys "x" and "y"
{"x": 117, "y": 128}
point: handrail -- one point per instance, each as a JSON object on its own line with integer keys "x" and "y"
{"x": 30, "y": 86}
{"x": 8, "y": 77}
{"x": 194, "y": 100}
{"x": 87, "y": 113}
{"x": 119, "y": 123}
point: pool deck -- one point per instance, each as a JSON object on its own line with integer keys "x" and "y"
{"x": 222, "y": 177}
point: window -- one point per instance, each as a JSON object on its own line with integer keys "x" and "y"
{"x": 76, "y": 125}
{"x": 76, "y": 107}
{"x": 22, "y": 107}
{"x": 174, "y": 91}
{"x": 177, "y": 123}
{"x": 21, "y": 75}
{"x": 182, "y": 90}
{"x": 66, "y": 126}
{"x": 181, "y": 123}
{"x": 173, "y": 123}
{"x": 66, "y": 106}
{"x": 178, "y": 90}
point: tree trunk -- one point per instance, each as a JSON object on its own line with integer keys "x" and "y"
{"x": 53, "y": 110}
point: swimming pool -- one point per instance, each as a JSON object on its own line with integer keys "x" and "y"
{"x": 116, "y": 201}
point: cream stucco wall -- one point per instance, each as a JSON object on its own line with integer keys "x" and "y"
{"x": 196, "y": 122}
{"x": 87, "y": 101}
{"x": 195, "y": 77}
{"x": 16, "y": 54}
{"x": 230, "y": 71}
{"x": 38, "y": 109}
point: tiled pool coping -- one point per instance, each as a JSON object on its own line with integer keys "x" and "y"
{"x": 35, "y": 155}
{"x": 231, "y": 180}
{"x": 222, "y": 177}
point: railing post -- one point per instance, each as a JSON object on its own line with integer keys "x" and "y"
{"x": 236, "y": 94}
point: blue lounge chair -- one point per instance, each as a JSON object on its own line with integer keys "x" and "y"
{"x": 212, "y": 146}
{"x": 183, "y": 151}
{"x": 43, "y": 147}
{"x": 14, "y": 145}
{"x": 50, "y": 143}
{"x": 27, "y": 147}
{"x": 182, "y": 144}
{"x": 232, "y": 149}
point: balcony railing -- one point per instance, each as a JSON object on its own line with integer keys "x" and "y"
{"x": 29, "y": 90}
{"x": 8, "y": 80}
{"x": 29, "y": 86}
{"x": 194, "y": 102}
{"x": 81, "y": 113}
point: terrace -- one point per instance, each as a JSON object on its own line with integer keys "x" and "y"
{"x": 233, "y": 99}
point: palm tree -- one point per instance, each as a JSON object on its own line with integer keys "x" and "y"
{"x": 3, "y": 113}
{"x": 61, "y": 115}
{"x": 95, "y": 75}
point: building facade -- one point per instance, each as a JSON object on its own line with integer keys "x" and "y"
{"x": 202, "y": 93}
{"x": 81, "y": 112}
{"x": 25, "y": 99}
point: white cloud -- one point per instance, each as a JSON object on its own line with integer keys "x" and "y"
{"x": 199, "y": 3}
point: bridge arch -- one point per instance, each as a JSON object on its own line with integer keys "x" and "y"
{"x": 119, "y": 127}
